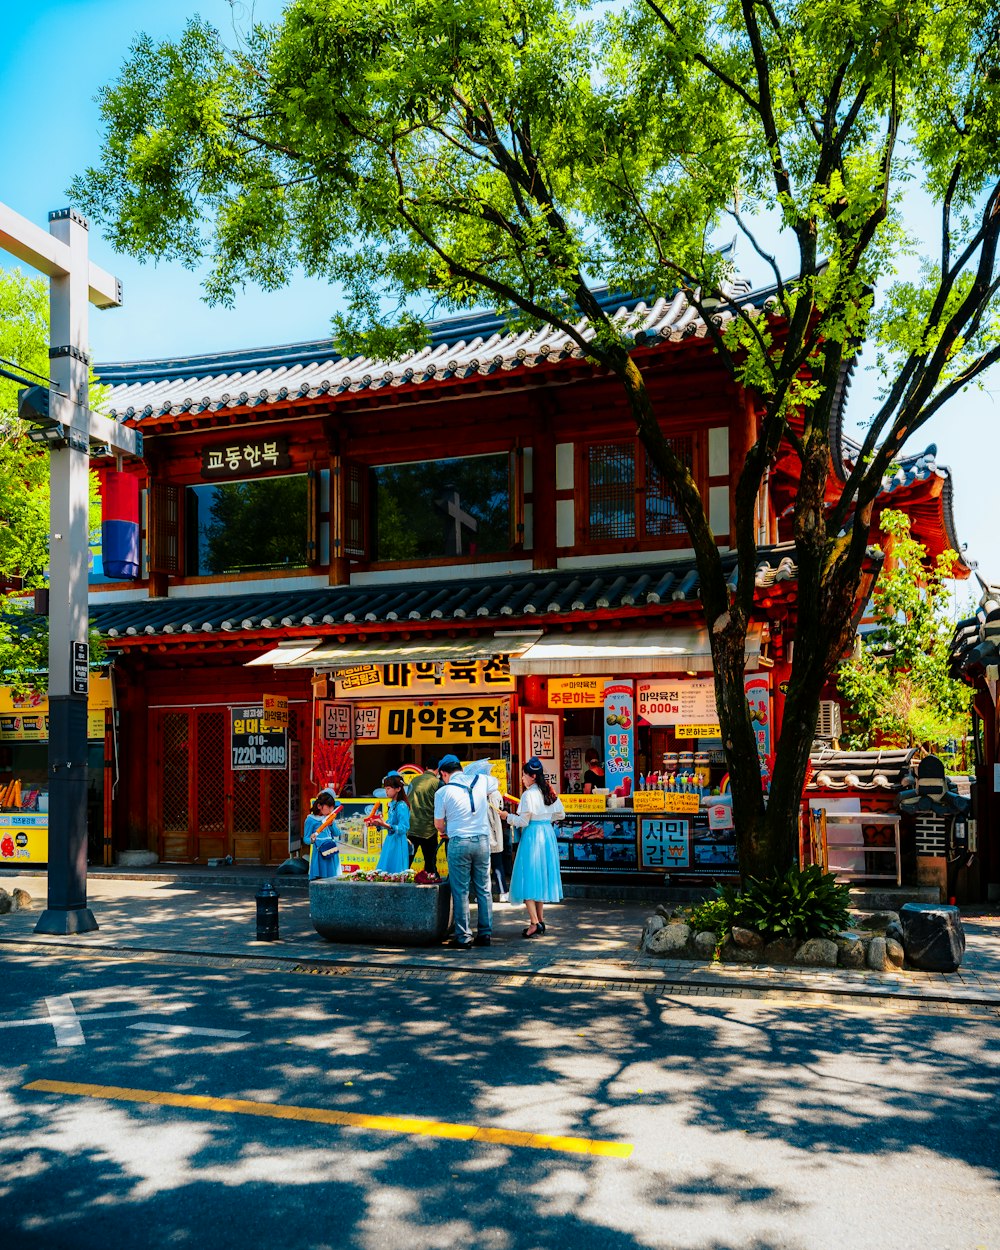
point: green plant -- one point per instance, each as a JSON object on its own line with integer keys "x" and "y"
{"x": 715, "y": 914}
{"x": 805, "y": 902}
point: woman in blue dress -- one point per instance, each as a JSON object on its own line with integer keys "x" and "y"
{"x": 323, "y": 837}
{"x": 395, "y": 855}
{"x": 536, "y": 879}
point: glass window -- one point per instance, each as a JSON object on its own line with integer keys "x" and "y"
{"x": 431, "y": 510}
{"x": 627, "y": 496}
{"x": 242, "y": 527}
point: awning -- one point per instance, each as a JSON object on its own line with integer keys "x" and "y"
{"x": 671, "y": 649}
{"x": 329, "y": 657}
{"x": 284, "y": 652}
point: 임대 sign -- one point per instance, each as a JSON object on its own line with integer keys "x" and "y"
{"x": 253, "y": 745}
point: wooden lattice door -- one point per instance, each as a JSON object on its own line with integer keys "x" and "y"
{"x": 206, "y": 809}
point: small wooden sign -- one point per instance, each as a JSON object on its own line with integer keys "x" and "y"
{"x": 648, "y": 801}
{"x": 681, "y": 802}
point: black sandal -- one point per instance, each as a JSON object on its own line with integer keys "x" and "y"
{"x": 541, "y": 927}
{"x": 530, "y": 932}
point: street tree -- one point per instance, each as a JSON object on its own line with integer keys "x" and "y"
{"x": 455, "y": 153}
{"x": 896, "y": 683}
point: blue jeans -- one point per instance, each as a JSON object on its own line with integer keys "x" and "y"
{"x": 469, "y": 858}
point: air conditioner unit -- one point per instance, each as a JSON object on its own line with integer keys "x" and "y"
{"x": 828, "y": 724}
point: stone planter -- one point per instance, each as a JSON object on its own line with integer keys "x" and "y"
{"x": 386, "y": 914}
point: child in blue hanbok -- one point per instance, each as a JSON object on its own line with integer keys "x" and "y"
{"x": 322, "y": 834}
{"x": 395, "y": 855}
{"x": 536, "y": 878}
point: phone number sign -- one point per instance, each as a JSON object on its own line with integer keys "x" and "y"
{"x": 254, "y": 744}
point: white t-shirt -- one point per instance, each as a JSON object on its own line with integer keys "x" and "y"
{"x": 533, "y": 807}
{"x": 465, "y": 817}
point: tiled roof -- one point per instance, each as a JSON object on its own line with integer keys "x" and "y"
{"x": 459, "y": 347}
{"x": 501, "y": 598}
{"x": 861, "y": 770}
{"x": 975, "y": 644}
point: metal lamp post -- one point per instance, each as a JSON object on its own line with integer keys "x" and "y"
{"x": 69, "y": 427}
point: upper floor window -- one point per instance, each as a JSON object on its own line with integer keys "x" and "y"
{"x": 627, "y": 498}
{"x": 244, "y": 527}
{"x": 441, "y": 508}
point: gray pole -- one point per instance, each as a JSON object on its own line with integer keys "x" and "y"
{"x": 74, "y": 283}
{"x": 67, "y": 910}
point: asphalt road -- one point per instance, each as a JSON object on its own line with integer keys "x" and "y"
{"x": 753, "y": 1125}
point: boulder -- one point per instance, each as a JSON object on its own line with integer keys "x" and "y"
{"x": 663, "y": 910}
{"x": 933, "y": 937}
{"x": 21, "y": 901}
{"x": 894, "y": 932}
{"x": 136, "y": 859}
{"x": 670, "y": 940}
{"x": 877, "y": 921}
{"x": 747, "y": 938}
{"x": 819, "y": 952}
{"x": 733, "y": 954}
{"x": 850, "y": 950}
{"x": 894, "y": 953}
{"x": 705, "y": 943}
{"x": 779, "y": 951}
{"x": 653, "y": 925}
{"x": 6, "y": 902}
{"x": 293, "y": 867}
{"x": 877, "y": 959}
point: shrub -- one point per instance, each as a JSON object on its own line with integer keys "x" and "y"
{"x": 715, "y": 914}
{"x": 804, "y": 903}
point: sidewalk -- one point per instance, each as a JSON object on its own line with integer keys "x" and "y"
{"x": 590, "y": 943}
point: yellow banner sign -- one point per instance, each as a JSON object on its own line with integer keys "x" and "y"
{"x": 368, "y": 681}
{"x": 25, "y": 717}
{"x": 584, "y": 802}
{"x": 681, "y": 802}
{"x": 24, "y": 839}
{"x": 697, "y": 731}
{"x": 576, "y": 691}
{"x": 648, "y": 801}
{"x": 448, "y": 720}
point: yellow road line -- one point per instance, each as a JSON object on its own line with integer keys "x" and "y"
{"x": 352, "y": 1119}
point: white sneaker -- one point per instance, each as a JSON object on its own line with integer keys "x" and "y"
{"x": 504, "y": 898}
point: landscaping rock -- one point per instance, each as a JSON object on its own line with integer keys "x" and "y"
{"x": 6, "y": 902}
{"x": 877, "y": 959}
{"x": 663, "y": 910}
{"x": 747, "y": 938}
{"x": 779, "y": 951}
{"x": 653, "y": 925}
{"x": 933, "y": 937}
{"x": 895, "y": 932}
{"x": 850, "y": 950}
{"x": 877, "y": 921}
{"x": 733, "y": 954}
{"x": 21, "y": 901}
{"x": 136, "y": 859}
{"x": 894, "y": 953}
{"x": 670, "y": 940}
{"x": 705, "y": 943}
{"x": 820, "y": 952}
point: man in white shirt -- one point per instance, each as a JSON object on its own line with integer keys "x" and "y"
{"x": 461, "y": 816}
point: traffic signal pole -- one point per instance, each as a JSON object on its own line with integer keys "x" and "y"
{"x": 73, "y": 284}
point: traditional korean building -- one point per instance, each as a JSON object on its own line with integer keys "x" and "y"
{"x": 464, "y": 551}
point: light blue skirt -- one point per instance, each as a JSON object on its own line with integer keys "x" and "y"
{"x": 395, "y": 856}
{"x": 536, "y": 865}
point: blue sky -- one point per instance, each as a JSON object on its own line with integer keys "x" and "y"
{"x": 50, "y": 130}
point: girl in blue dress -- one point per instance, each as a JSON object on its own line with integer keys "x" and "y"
{"x": 395, "y": 855}
{"x": 325, "y": 858}
{"x": 536, "y": 879}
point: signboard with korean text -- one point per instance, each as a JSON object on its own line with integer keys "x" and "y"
{"x": 619, "y": 735}
{"x": 275, "y": 711}
{"x": 758, "y": 688}
{"x": 583, "y": 802}
{"x": 378, "y": 681}
{"x": 541, "y": 736}
{"x": 602, "y": 843}
{"x": 24, "y": 838}
{"x": 676, "y": 701}
{"x": 25, "y": 717}
{"x": 252, "y": 745}
{"x": 333, "y": 744}
{"x": 576, "y": 691}
{"x": 435, "y": 720}
{"x": 666, "y": 843}
{"x": 720, "y": 816}
{"x": 648, "y": 801}
{"x": 678, "y": 801}
{"x": 241, "y": 457}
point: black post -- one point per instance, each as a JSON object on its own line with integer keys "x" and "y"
{"x": 67, "y": 910}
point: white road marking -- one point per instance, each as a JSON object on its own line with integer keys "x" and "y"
{"x": 64, "y": 1021}
{"x": 83, "y": 1017}
{"x": 186, "y": 1029}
